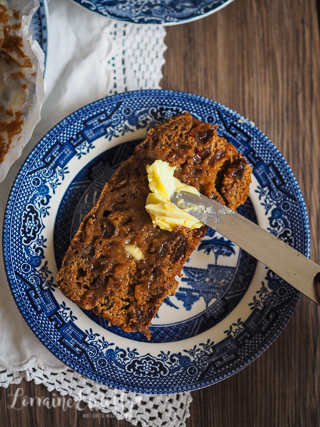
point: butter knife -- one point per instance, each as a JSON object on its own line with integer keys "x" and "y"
{"x": 292, "y": 266}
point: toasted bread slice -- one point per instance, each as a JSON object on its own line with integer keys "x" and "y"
{"x": 99, "y": 273}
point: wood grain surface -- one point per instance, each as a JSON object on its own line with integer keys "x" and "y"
{"x": 262, "y": 59}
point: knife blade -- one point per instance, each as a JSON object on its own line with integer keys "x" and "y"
{"x": 292, "y": 266}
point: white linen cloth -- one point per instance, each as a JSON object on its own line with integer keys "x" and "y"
{"x": 89, "y": 57}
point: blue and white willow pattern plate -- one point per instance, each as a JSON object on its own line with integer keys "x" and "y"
{"x": 228, "y": 308}
{"x": 166, "y": 12}
{"x": 39, "y": 27}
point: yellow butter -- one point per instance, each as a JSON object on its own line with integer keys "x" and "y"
{"x": 163, "y": 184}
{"x": 161, "y": 181}
{"x": 134, "y": 251}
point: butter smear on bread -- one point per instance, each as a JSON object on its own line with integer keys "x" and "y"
{"x": 163, "y": 184}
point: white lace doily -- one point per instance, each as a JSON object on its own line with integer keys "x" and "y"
{"x": 89, "y": 57}
{"x": 140, "y": 67}
{"x": 149, "y": 410}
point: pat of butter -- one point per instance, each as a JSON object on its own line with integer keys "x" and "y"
{"x": 163, "y": 184}
{"x": 134, "y": 251}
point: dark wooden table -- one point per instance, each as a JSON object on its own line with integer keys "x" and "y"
{"x": 262, "y": 59}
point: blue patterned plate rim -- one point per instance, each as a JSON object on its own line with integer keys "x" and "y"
{"x": 39, "y": 27}
{"x": 163, "y": 12}
{"x": 105, "y": 355}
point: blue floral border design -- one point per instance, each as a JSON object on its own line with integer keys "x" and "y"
{"x": 154, "y": 12}
{"x": 32, "y": 284}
